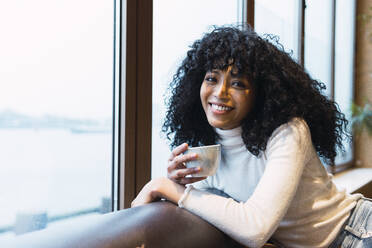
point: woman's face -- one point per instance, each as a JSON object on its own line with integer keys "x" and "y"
{"x": 227, "y": 97}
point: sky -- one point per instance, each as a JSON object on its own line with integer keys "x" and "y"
{"x": 56, "y": 57}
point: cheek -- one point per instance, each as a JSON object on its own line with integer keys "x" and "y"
{"x": 246, "y": 105}
{"x": 203, "y": 94}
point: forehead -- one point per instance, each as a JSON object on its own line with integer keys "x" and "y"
{"x": 222, "y": 63}
{"x": 231, "y": 69}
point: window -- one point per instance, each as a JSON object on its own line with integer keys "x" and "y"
{"x": 329, "y": 55}
{"x": 323, "y": 31}
{"x": 281, "y": 18}
{"x": 62, "y": 118}
{"x": 142, "y": 110}
{"x": 344, "y": 65}
{"x": 56, "y": 112}
{"x": 318, "y": 42}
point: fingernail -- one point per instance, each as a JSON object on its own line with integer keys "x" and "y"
{"x": 197, "y": 168}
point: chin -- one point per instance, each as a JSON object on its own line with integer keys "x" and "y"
{"x": 217, "y": 124}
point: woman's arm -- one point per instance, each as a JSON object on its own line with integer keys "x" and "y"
{"x": 173, "y": 188}
{"x": 253, "y": 222}
{"x": 159, "y": 188}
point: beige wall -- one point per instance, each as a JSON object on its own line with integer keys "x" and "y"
{"x": 363, "y": 79}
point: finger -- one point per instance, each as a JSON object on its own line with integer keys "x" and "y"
{"x": 178, "y": 150}
{"x": 175, "y": 166}
{"x": 178, "y": 162}
{"x": 134, "y": 203}
{"x": 189, "y": 180}
{"x": 181, "y": 173}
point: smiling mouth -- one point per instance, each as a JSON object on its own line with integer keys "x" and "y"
{"x": 220, "y": 108}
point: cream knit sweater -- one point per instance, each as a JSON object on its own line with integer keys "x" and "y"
{"x": 285, "y": 193}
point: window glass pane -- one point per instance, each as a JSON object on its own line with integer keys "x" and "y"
{"x": 344, "y": 64}
{"x": 174, "y": 31}
{"x": 280, "y": 18}
{"x": 56, "y": 104}
{"x": 318, "y": 41}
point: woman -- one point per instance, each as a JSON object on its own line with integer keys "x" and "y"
{"x": 245, "y": 93}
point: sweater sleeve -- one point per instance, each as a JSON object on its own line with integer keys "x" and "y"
{"x": 253, "y": 222}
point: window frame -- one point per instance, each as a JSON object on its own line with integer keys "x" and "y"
{"x": 133, "y": 166}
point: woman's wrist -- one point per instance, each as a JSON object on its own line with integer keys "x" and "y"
{"x": 166, "y": 188}
{"x": 157, "y": 186}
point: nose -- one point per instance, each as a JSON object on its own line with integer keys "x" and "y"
{"x": 222, "y": 90}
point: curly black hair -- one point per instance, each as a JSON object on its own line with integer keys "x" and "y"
{"x": 283, "y": 90}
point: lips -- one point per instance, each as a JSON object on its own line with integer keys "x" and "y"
{"x": 220, "y": 108}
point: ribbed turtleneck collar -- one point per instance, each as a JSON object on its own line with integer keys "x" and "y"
{"x": 230, "y": 137}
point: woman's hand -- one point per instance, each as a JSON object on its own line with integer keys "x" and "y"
{"x": 149, "y": 193}
{"x": 159, "y": 188}
{"x": 177, "y": 170}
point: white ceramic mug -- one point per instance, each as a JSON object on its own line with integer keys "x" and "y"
{"x": 208, "y": 159}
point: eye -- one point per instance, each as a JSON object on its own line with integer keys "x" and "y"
{"x": 210, "y": 79}
{"x": 238, "y": 84}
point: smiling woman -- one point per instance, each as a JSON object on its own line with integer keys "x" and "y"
{"x": 273, "y": 124}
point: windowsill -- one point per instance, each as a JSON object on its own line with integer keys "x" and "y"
{"x": 353, "y": 179}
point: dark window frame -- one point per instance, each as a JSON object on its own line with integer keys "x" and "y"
{"x": 135, "y": 107}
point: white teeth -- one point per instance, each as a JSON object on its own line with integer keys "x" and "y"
{"x": 220, "y": 108}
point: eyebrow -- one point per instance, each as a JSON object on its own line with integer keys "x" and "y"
{"x": 232, "y": 73}
{"x": 215, "y": 71}
{"x": 236, "y": 74}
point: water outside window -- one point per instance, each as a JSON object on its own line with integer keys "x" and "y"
{"x": 56, "y": 105}
{"x": 177, "y": 24}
